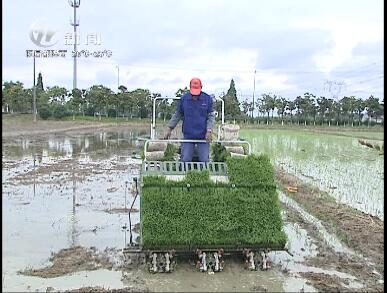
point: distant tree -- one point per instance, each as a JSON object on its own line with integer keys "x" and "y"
{"x": 56, "y": 94}
{"x": 273, "y": 106}
{"x": 75, "y": 101}
{"x": 59, "y": 110}
{"x": 121, "y": 105}
{"x": 28, "y": 100}
{"x": 374, "y": 107}
{"x": 123, "y": 89}
{"x": 39, "y": 84}
{"x": 322, "y": 108}
{"x": 381, "y": 109}
{"x": 258, "y": 106}
{"x": 247, "y": 107}
{"x": 359, "y": 108}
{"x": 120, "y": 100}
{"x": 231, "y": 103}
{"x": 348, "y": 105}
{"x": 13, "y": 96}
{"x": 313, "y": 110}
{"x": 330, "y": 110}
{"x": 290, "y": 107}
{"x": 162, "y": 106}
{"x": 298, "y": 104}
{"x": 99, "y": 98}
{"x": 40, "y": 93}
{"x": 44, "y": 111}
{"x": 268, "y": 105}
{"x": 308, "y": 106}
{"x": 352, "y": 108}
{"x": 116, "y": 102}
{"x": 143, "y": 102}
{"x": 280, "y": 104}
{"x": 337, "y": 110}
{"x": 181, "y": 92}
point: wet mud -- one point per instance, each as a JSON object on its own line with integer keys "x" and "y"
{"x": 121, "y": 210}
{"x": 70, "y": 260}
{"x": 366, "y": 260}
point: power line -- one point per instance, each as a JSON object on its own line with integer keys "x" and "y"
{"x": 367, "y": 80}
{"x": 341, "y": 74}
{"x": 235, "y": 70}
{"x": 376, "y": 93}
{"x": 357, "y": 73}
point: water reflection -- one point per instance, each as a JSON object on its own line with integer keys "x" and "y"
{"x": 56, "y": 191}
{"x": 101, "y": 143}
{"x": 34, "y": 175}
{"x": 73, "y": 231}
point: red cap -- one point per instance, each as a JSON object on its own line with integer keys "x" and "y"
{"x": 195, "y": 86}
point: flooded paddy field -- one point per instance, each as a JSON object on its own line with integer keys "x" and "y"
{"x": 338, "y": 164}
{"x": 65, "y": 199}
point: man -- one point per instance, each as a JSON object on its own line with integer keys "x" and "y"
{"x": 195, "y": 108}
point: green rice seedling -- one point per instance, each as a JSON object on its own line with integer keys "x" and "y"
{"x": 206, "y": 214}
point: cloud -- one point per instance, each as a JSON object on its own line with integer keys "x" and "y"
{"x": 295, "y": 46}
{"x": 369, "y": 49}
{"x": 346, "y": 34}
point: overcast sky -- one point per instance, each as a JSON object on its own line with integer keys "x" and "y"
{"x": 294, "y": 46}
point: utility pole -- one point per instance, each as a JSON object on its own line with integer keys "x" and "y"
{"x": 118, "y": 87}
{"x": 252, "y": 113}
{"x": 75, "y": 4}
{"x": 34, "y": 93}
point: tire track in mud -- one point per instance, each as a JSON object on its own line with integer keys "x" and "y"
{"x": 360, "y": 232}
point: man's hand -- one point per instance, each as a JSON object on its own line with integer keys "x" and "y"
{"x": 167, "y": 134}
{"x": 209, "y": 136}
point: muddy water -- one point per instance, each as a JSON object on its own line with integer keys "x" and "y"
{"x": 56, "y": 189}
{"x": 339, "y": 165}
{"x": 57, "y": 193}
{"x": 329, "y": 239}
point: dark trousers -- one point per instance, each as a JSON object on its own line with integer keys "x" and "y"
{"x": 187, "y": 151}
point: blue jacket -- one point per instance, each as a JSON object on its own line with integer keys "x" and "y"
{"x": 197, "y": 115}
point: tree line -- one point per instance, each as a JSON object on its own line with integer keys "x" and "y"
{"x": 99, "y": 100}
{"x": 310, "y": 109}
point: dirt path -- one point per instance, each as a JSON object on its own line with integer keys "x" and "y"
{"x": 362, "y": 233}
{"x": 328, "y": 258}
{"x": 18, "y": 125}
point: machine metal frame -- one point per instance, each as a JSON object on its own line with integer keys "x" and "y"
{"x": 208, "y": 258}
